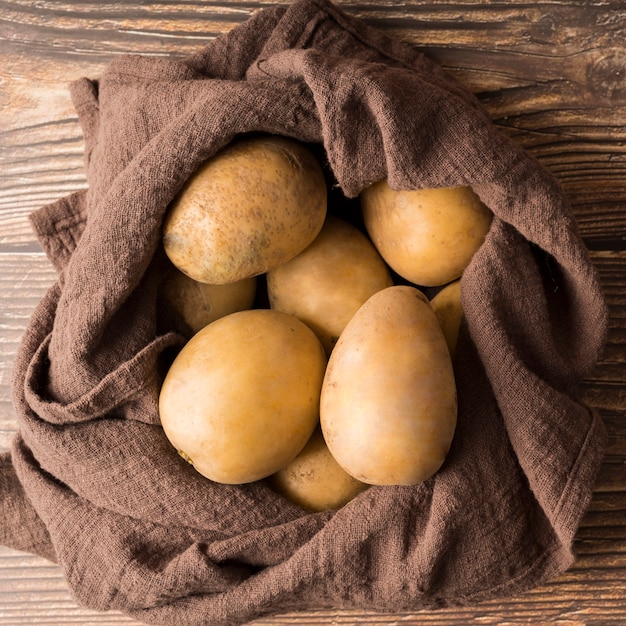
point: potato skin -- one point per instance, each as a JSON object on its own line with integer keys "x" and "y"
{"x": 188, "y": 305}
{"x": 252, "y": 206}
{"x": 388, "y": 404}
{"x": 241, "y": 399}
{"x": 427, "y": 236}
{"x": 449, "y": 311}
{"x": 325, "y": 285}
{"x": 314, "y": 480}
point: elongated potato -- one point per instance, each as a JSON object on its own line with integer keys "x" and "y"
{"x": 428, "y": 236}
{"x": 254, "y": 205}
{"x": 388, "y": 405}
{"x": 314, "y": 480}
{"x": 325, "y": 285}
{"x": 241, "y": 399}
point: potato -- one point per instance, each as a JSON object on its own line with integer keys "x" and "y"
{"x": 252, "y": 206}
{"x": 427, "y": 236}
{"x": 449, "y": 311}
{"x": 188, "y": 305}
{"x": 388, "y": 406}
{"x": 325, "y": 285}
{"x": 241, "y": 399}
{"x": 314, "y": 480}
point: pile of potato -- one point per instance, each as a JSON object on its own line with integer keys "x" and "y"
{"x": 313, "y": 358}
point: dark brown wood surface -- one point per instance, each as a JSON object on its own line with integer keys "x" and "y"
{"x": 552, "y": 75}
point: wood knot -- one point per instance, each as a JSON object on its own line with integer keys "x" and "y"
{"x": 606, "y": 76}
{"x": 546, "y": 28}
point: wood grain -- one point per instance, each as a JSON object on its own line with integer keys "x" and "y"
{"x": 551, "y": 75}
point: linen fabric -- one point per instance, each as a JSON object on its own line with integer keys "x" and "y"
{"x": 91, "y": 481}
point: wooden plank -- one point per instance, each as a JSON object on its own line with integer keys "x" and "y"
{"x": 549, "y": 79}
{"x": 549, "y": 74}
{"x": 33, "y": 590}
{"x": 25, "y": 278}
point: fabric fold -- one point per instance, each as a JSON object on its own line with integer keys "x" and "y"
{"x": 92, "y": 481}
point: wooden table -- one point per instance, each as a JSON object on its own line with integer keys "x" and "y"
{"x": 552, "y": 75}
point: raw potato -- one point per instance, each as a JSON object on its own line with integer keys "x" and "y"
{"x": 388, "y": 405}
{"x": 314, "y": 480}
{"x": 254, "y": 205}
{"x": 325, "y": 285}
{"x": 241, "y": 399}
{"x": 427, "y": 236}
{"x": 189, "y": 305}
{"x": 449, "y": 311}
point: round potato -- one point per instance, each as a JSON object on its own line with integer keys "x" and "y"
{"x": 314, "y": 480}
{"x": 252, "y": 206}
{"x": 189, "y": 305}
{"x": 449, "y": 311}
{"x": 241, "y": 399}
{"x": 427, "y": 236}
{"x": 388, "y": 405}
{"x": 325, "y": 285}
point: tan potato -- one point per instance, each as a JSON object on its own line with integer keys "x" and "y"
{"x": 314, "y": 480}
{"x": 325, "y": 285}
{"x": 388, "y": 405}
{"x": 241, "y": 399}
{"x": 254, "y": 205}
{"x": 189, "y": 305}
{"x": 449, "y": 311}
{"x": 427, "y": 236}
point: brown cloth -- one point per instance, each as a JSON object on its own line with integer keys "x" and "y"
{"x": 91, "y": 481}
